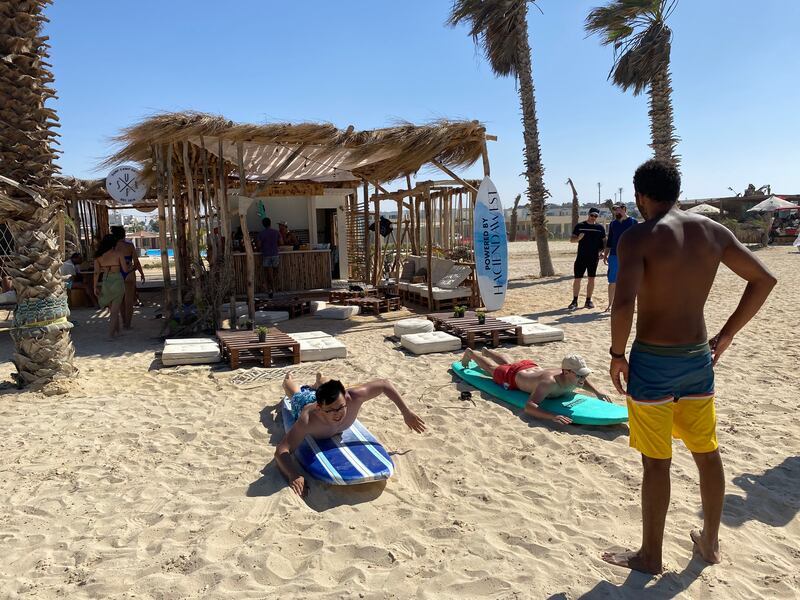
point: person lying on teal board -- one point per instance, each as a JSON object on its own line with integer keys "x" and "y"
{"x": 540, "y": 383}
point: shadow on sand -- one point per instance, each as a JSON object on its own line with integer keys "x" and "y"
{"x": 669, "y": 585}
{"x": 772, "y": 497}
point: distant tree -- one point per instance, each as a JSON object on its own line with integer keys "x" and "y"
{"x": 152, "y": 225}
{"x": 576, "y": 211}
{"x": 512, "y": 235}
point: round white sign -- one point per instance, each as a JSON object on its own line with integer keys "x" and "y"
{"x": 124, "y": 185}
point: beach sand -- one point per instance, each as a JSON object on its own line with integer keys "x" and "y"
{"x": 152, "y": 482}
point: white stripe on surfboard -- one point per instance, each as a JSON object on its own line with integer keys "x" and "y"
{"x": 354, "y": 460}
{"x": 371, "y": 446}
{"x": 332, "y": 472}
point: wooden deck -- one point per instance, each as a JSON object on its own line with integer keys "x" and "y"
{"x": 238, "y": 346}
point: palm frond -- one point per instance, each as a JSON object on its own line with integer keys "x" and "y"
{"x": 493, "y": 24}
{"x": 642, "y": 41}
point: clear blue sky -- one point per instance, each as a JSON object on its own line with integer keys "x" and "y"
{"x": 735, "y": 69}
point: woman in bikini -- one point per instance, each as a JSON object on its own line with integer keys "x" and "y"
{"x": 132, "y": 264}
{"x": 111, "y": 264}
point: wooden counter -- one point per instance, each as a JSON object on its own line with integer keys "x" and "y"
{"x": 297, "y": 271}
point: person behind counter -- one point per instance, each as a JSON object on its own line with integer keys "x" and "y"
{"x": 287, "y": 237}
{"x": 268, "y": 241}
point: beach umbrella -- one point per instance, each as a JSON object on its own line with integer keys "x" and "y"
{"x": 772, "y": 204}
{"x": 704, "y": 209}
{"x": 769, "y": 206}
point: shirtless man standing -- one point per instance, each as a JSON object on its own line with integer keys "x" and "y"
{"x": 327, "y": 409}
{"x": 540, "y": 383}
{"x": 668, "y": 263}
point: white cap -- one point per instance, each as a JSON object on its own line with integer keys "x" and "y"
{"x": 576, "y": 364}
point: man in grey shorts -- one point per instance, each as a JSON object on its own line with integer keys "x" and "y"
{"x": 268, "y": 243}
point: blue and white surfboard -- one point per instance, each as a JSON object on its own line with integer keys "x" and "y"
{"x": 491, "y": 246}
{"x": 350, "y": 458}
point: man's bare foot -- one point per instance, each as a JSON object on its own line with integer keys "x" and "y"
{"x": 709, "y": 551}
{"x": 633, "y": 561}
{"x": 288, "y": 377}
{"x": 468, "y": 353}
{"x": 318, "y": 380}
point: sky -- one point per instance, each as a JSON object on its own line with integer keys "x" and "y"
{"x": 371, "y": 63}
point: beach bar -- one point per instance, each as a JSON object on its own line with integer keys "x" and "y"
{"x": 215, "y": 180}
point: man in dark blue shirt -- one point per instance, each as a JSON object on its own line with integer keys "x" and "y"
{"x": 621, "y": 223}
{"x": 590, "y": 237}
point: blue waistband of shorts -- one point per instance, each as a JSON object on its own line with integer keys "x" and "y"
{"x": 682, "y": 351}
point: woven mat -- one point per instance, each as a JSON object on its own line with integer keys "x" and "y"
{"x": 256, "y": 377}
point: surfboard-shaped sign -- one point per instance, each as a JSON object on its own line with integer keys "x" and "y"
{"x": 491, "y": 246}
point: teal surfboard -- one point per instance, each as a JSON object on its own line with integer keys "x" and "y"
{"x": 583, "y": 410}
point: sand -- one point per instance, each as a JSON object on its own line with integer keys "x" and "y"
{"x": 152, "y": 482}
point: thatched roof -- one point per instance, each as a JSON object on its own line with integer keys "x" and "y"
{"x": 323, "y": 151}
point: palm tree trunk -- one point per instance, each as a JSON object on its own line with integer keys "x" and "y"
{"x": 43, "y": 350}
{"x": 534, "y": 170}
{"x": 512, "y": 235}
{"x": 662, "y": 126}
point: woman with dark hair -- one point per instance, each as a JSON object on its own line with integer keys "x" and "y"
{"x": 132, "y": 264}
{"x": 111, "y": 264}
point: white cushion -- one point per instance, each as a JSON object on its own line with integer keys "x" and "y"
{"x": 323, "y": 348}
{"x": 318, "y": 305}
{"x": 225, "y": 309}
{"x": 455, "y": 277}
{"x": 191, "y": 353}
{"x": 173, "y": 341}
{"x": 266, "y": 317}
{"x": 432, "y": 341}
{"x": 536, "y": 333}
{"x": 442, "y": 294}
{"x": 439, "y": 267}
{"x": 308, "y": 335}
{"x": 516, "y": 320}
{"x": 337, "y": 312}
{"x": 404, "y": 285}
{"x": 9, "y": 297}
{"x": 409, "y": 326}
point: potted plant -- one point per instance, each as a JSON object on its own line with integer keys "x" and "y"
{"x": 459, "y": 311}
{"x": 481, "y": 314}
{"x": 262, "y": 333}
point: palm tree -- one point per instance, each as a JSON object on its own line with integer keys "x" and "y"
{"x": 512, "y": 235}
{"x": 576, "y": 207}
{"x": 43, "y": 349}
{"x": 642, "y": 43}
{"x": 500, "y": 28}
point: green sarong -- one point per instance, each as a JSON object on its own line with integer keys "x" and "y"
{"x": 112, "y": 289}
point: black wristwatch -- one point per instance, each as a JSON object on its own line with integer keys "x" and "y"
{"x": 614, "y": 354}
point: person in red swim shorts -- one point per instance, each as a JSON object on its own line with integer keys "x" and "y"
{"x": 539, "y": 382}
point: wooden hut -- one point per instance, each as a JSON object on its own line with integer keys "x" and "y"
{"x": 212, "y": 176}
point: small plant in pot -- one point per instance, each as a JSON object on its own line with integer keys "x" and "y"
{"x": 481, "y": 314}
{"x": 262, "y": 333}
{"x": 459, "y": 311}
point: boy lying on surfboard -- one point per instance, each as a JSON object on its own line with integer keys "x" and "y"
{"x": 325, "y": 410}
{"x": 540, "y": 383}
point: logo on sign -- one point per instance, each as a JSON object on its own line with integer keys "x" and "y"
{"x": 124, "y": 185}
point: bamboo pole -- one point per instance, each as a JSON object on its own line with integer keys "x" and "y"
{"x": 428, "y": 226}
{"x": 248, "y": 246}
{"x": 485, "y": 157}
{"x": 378, "y": 257}
{"x": 367, "y": 265}
{"x": 412, "y": 219}
{"x": 172, "y": 210}
{"x": 190, "y": 200}
{"x": 162, "y": 225}
{"x": 397, "y": 233}
{"x": 225, "y": 205}
{"x": 206, "y": 196}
